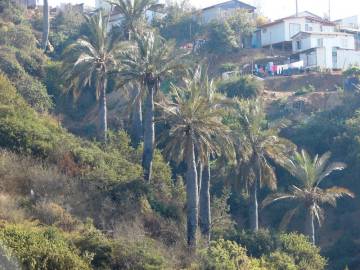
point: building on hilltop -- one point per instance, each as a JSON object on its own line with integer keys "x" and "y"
{"x": 278, "y": 34}
{"x": 223, "y": 10}
{"x": 325, "y": 50}
{"x": 27, "y": 3}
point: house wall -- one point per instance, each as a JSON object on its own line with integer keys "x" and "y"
{"x": 285, "y": 30}
{"x": 273, "y": 34}
{"x": 220, "y": 12}
{"x": 347, "y": 58}
{"x": 210, "y": 14}
{"x": 339, "y": 41}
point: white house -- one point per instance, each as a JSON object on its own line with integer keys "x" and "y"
{"x": 116, "y": 17}
{"x": 279, "y": 33}
{"x": 349, "y": 22}
{"x": 325, "y": 50}
{"x": 223, "y": 10}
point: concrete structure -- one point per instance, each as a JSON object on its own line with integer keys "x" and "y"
{"x": 27, "y": 3}
{"x": 326, "y": 50}
{"x": 352, "y": 22}
{"x": 223, "y": 10}
{"x": 280, "y": 32}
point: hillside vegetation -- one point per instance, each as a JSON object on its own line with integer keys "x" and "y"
{"x": 121, "y": 150}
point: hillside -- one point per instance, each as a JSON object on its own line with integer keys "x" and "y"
{"x": 121, "y": 150}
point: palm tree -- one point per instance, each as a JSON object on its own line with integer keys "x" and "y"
{"x": 309, "y": 196}
{"x": 46, "y": 25}
{"x": 133, "y": 12}
{"x": 216, "y": 102}
{"x": 258, "y": 143}
{"x": 89, "y": 61}
{"x": 196, "y": 127}
{"x": 148, "y": 62}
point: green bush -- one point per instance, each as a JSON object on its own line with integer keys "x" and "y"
{"x": 225, "y": 255}
{"x": 306, "y": 256}
{"x": 137, "y": 256}
{"x": 29, "y": 87}
{"x": 23, "y": 130}
{"x": 256, "y": 243}
{"x": 90, "y": 240}
{"x": 243, "y": 87}
{"x": 41, "y": 248}
{"x": 278, "y": 261}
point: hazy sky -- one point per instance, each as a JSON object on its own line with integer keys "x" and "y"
{"x": 277, "y": 8}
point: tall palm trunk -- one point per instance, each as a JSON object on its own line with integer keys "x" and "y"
{"x": 149, "y": 130}
{"x": 136, "y": 120}
{"x": 102, "y": 111}
{"x": 310, "y": 225}
{"x": 192, "y": 196}
{"x": 254, "y": 205}
{"x": 254, "y": 208}
{"x": 205, "y": 211}
{"x": 46, "y": 25}
{"x": 200, "y": 173}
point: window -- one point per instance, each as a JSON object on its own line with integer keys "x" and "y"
{"x": 298, "y": 44}
{"x": 308, "y": 28}
{"x": 344, "y": 43}
{"x": 264, "y": 30}
{"x": 320, "y": 42}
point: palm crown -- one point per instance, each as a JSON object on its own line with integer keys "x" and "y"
{"x": 309, "y": 195}
{"x": 92, "y": 56}
{"x": 150, "y": 59}
{"x": 196, "y": 111}
{"x": 310, "y": 173}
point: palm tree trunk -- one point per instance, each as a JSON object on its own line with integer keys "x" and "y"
{"x": 310, "y": 226}
{"x": 103, "y": 111}
{"x": 205, "y": 211}
{"x": 137, "y": 121}
{"x": 149, "y": 132}
{"x": 46, "y": 25}
{"x": 254, "y": 208}
{"x": 254, "y": 205}
{"x": 200, "y": 173}
{"x": 192, "y": 195}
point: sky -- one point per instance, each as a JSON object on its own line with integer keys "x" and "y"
{"x": 275, "y": 9}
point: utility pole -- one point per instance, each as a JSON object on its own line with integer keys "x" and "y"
{"x": 329, "y": 10}
{"x": 297, "y": 9}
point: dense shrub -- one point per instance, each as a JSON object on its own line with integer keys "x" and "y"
{"x": 137, "y": 256}
{"x": 23, "y": 130}
{"x": 282, "y": 250}
{"x": 242, "y": 87}
{"x": 225, "y": 255}
{"x": 29, "y": 87}
{"x": 41, "y": 248}
{"x": 306, "y": 256}
{"x": 90, "y": 240}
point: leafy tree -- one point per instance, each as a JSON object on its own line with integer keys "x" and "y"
{"x": 310, "y": 172}
{"x": 242, "y": 23}
{"x": 196, "y": 127}
{"x": 258, "y": 144}
{"x": 90, "y": 60}
{"x": 148, "y": 62}
{"x": 221, "y": 37}
{"x": 133, "y": 15}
